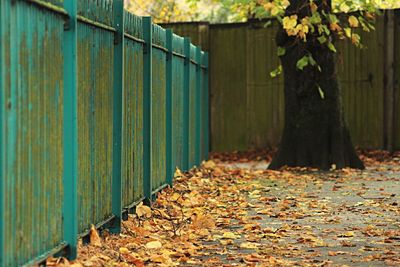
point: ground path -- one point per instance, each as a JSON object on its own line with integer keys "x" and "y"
{"x": 240, "y": 214}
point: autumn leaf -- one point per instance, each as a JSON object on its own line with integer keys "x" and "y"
{"x": 143, "y": 211}
{"x": 95, "y": 239}
{"x": 124, "y": 250}
{"x": 230, "y": 235}
{"x": 353, "y": 21}
{"x": 154, "y": 245}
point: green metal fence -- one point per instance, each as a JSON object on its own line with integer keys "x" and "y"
{"x": 97, "y": 109}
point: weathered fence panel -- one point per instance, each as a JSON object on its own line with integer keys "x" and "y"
{"x": 178, "y": 69}
{"x": 83, "y": 120}
{"x": 95, "y": 113}
{"x": 204, "y": 106}
{"x": 228, "y": 87}
{"x": 192, "y": 105}
{"x": 361, "y": 77}
{"x": 158, "y": 107}
{"x": 31, "y": 132}
{"x": 265, "y": 110}
{"x": 132, "y": 125}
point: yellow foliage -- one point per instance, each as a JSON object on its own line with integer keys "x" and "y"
{"x": 353, "y": 22}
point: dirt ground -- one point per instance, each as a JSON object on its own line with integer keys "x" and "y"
{"x": 234, "y": 212}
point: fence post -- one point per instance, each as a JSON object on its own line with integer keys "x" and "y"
{"x": 198, "y": 107}
{"x": 207, "y": 105}
{"x": 118, "y": 9}
{"x": 168, "y": 114}
{"x": 70, "y": 175}
{"x": 186, "y": 86}
{"x": 147, "y": 89}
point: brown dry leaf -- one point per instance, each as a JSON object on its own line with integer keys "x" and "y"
{"x": 160, "y": 258}
{"x": 201, "y": 221}
{"x": 95, "y": 239}
{"x": 143, "y": 211}
{"x": 209, "y": 164}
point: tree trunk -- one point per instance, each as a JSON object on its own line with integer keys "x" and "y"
{"x": 315, "y": 132}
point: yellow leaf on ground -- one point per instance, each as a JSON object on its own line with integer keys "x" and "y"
{"x": 153, "y": 245}
{"x": 178, "y": 173}
{"x": 209, "y": 164}
{"x": 249, "y": 245}
{"x": 230, "y": 235}
{"x": 124, "y": 250}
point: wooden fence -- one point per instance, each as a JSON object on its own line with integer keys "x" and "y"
{"x": 97, "y": 108}
{"x": 247, "y": 105}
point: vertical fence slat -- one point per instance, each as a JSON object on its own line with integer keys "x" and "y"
{"x": 186, "y": 85}
{"x": 168, "y": 143}
{"x": 207, "y": 107}
{"x": 147, "y": 88}
{"x": 70, "y": 177}
{"x": 198, "y": 108}
{"x": 118, "y": 9}
{"x": 3, "y": 23}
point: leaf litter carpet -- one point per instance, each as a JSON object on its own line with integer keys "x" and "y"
{"x": 233, "y": 212}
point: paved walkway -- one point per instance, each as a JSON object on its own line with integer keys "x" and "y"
{"x": 239, "y": 214}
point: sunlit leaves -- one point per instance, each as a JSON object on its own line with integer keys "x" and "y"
{"x": 276, "y": 72}
{"x": 289, "y": 23}
{"x": 353, "y": 21}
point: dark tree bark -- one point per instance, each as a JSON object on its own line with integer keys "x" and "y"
{"x": 315, "y": 132}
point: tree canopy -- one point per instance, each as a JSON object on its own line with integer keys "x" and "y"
{"x": 232, "y": 10}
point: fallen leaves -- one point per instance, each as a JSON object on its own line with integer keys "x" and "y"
{"x": 239, "y": 213}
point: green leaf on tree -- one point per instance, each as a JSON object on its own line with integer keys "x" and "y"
{"x": 303, "y": 62}
{"x": 321, "y": 93}
{"x": 281, "y": 51}
{"x": 332, "y": 47}
{"x": 276, "y": 72}
{"x": 322, "y": 39}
